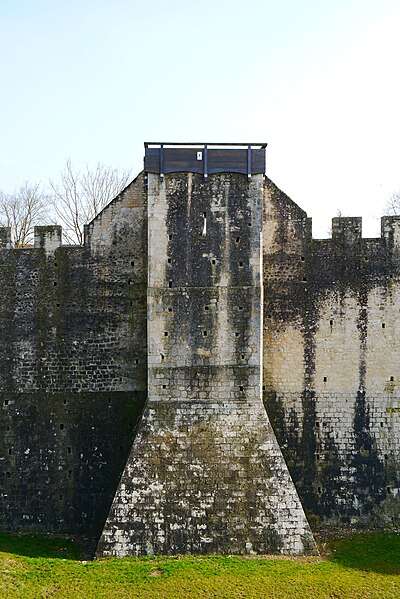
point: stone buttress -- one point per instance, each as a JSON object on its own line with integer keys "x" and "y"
{"x": 205, "y": 474}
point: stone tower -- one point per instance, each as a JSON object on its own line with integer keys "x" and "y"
{"x": 205, "y": 473}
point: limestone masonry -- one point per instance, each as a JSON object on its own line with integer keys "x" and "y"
{"x": 201, "y": 374}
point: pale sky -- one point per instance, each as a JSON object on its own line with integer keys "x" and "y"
{"x": 316, "y": 79}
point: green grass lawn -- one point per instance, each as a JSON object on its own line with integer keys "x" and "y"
{"x": 360, "y": 566}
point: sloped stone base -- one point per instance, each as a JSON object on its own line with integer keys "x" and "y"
{"x": 205, "y": 477}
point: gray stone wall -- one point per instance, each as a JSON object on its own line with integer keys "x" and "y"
{"x": 72, "y": 368}
{"x": 205, "y": 474}
{"x": 331, "y": 367}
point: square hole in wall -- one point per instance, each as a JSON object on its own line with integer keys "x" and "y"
{"x": 170, "y": 237}
{"x": 240, "y": 264}
{"x": 236, "y": 334}
{"x": 6, "y": 402}
{"x": 213, "y": 261}
{"x": 169, "y": 261}
{"x": 392, "y": 378}
{"x": 383, "y": 325}
{"x": 205, "y": 333}
{"x": 166, "y": 333}
{"x": 169, "y": 309}
{"x": 206, "y": 308}
{"x": 302, "y": 258}
{"x": 164, "y": 386}
{"x": 240, "y": 308}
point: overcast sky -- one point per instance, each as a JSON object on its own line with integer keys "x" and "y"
{"x": 316, "y": 79}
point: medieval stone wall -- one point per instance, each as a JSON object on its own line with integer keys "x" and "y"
{"x": 331, "y": 367}
{"x": 205, "y": 474}
{"x": 72, "y": 369}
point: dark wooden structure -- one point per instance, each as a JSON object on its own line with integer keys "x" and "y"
{"x": 206, "y": 158}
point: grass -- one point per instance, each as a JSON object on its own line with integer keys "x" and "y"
{"x": 356, "y": 567}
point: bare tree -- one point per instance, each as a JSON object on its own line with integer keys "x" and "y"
{"x": 392, "y": 207}
{"x": 79, "y": 195}
{"x": 22, "y": 210}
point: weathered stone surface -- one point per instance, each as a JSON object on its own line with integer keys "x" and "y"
{"x": 205, "y": 474}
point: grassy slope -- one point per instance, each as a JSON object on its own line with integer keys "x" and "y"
{"x": 362, "y": 566}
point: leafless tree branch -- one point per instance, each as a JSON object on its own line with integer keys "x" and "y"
{"x": 79, "y": 196}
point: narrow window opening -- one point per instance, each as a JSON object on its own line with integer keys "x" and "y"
{"x": 302, "y": 258}
{"x": 58, "y": 305}
{"x": 6, "y": 402}
{"x": 385, "y": 456}
{"x": 241, "y": 388}
{"x": 55, "y": 264}
{"x": 392, "y": 378}
{"x": 166, "y": 333}
{"x": 8, "y": 474}
{"x": 237, "y": 239}
{"x": 213, "y": 261}
{"x": 164, "y": 386}
{"x": 304, "y": 279}
{"x": 243, "y": 356}
{"x": 61, "y": 427}
{"x": 65, "y": 401}
{"x": 69, "y": 473}
{"x": 236, "y": 334}
{"x": 319, "y": 490}
{"x": 331, "y": 323}
{"x": 325, "y": 379}
{"x": 162, "y": 357}
{"x": 317, "y": 424}
{"x": 170, "y": 237}
{"x": 263, "y": 387}
{"x": 205, "y": 333}
{"x": 136, "y": 361}
{"x": 8, "y": 428}
{"x": 249, "y": 224}
{"x": 240, "y": 264}
{"x": 109, "y": 400}
{"x": 388, "y": 489}
{"x": 169, "y": 261}
{"x": 170, "y": 284}
{"x": 240, "y": 307}
{"x": 206, "y": 308}
{"x": 9, "y": 450}
{"x": 61, "y": 496}
{"x": 204, "y": 231}
{"x": 383, "y": 325}
{"x": 390, "y": 276}
{"x": 317, "y": 456}
{"x": 69, "y": 450}
{"x": 169, "y": 309}
{"x": 132, "y": 263}
{"x": 55, "y": 283}
{"x": 131, "y": 303}
{"x": 129, "y": 281}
